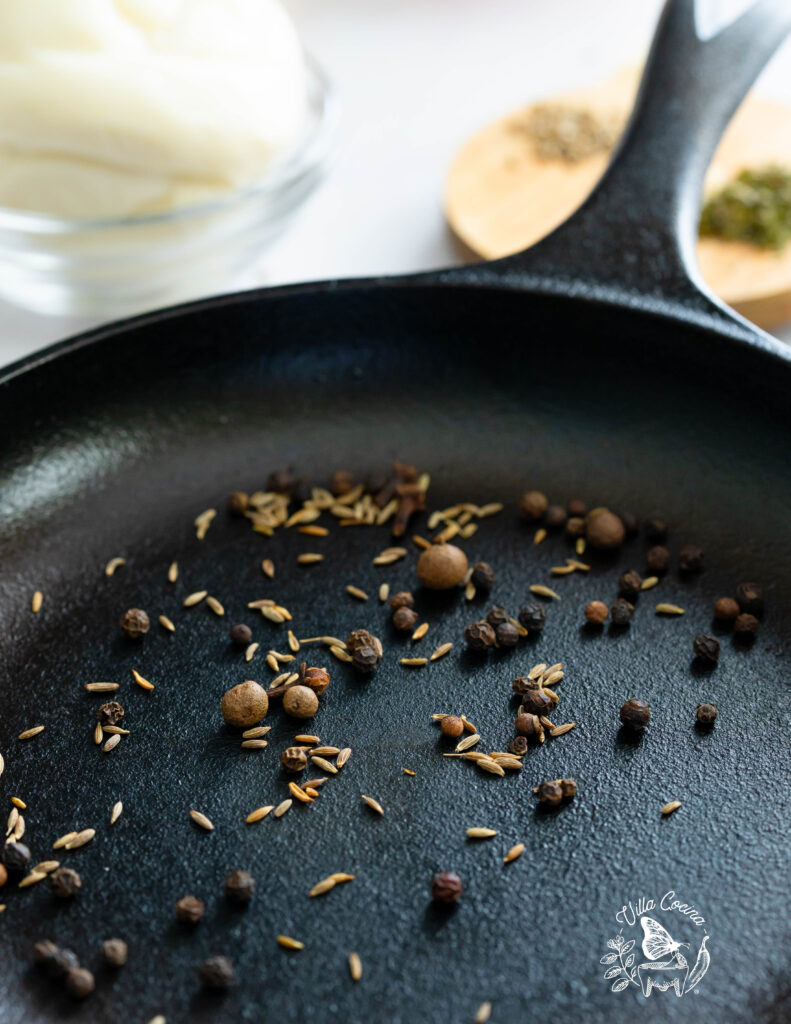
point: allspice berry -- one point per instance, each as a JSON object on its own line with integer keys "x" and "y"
{"x": 441, "y": 566}
{"x": 135, "y": 623}
{"x": 318, "y": 679}
{"x": 746, "y": 626}
{"x": 635, "y": 713}
{"x": 690, "y": 559}
{"x": 479, "y": 636}
{"x": 405, "y": 619}
{"x": 706, "y": 648}
{"x": 550, "y": 793}
{"x": 189, "y": 910}
{"x": 482, "y": 577}
{"x": 115, "y": 952}
{"x": 575, "y": 526}
{"x": 241, "y": 635}
{"x": 556, "y": 517}
{"x": 751, "y": 598}
{"x": 80, "y": 983}
{"x": 64, "y": 882}
{"x": 705, "y": 714}
{"x": 403, "y": 599}
{"x": 451, "y": 726}
{"x": 577, "y": 508}
{"x": 726, "y": 609}
{"x": 239, "y": 887}
{"x": 596, "y": 612}
{"x": 604, "y": 529}
{"x": 294, "y": 759}
{"x": 217, "y": 972}
{"x": 245, "y": 705}
{"x": 446, "y": 887}
{"x": 657, "y": 559}
{"x": 300, "y": 702}
{"x": 533, "y": 505}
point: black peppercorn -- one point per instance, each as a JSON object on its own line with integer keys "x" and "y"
{"x": 294, "y": 759}
{"x": 751, "y": 598}
{"x": 518, "y": 745}
{"x": 110, "y": 713}
{"x": 217, "y": 972}
{"x": 80, "y": 983}
{"x": 535, "y": 702}
{"x": 656, "y": 529}
{"x": 556, "y": 517}
{"x": 238, "y": 502}
{"x": 446, "y": 887}
{"x": 135, "y": 623}
{"x": 707, "y": 648}
{"x": 507, "y": 634}
{"x": 241, "y": 635}
{"x": 577, "y": 508}
{"x": 362, "y": 638}
{"x": 239, "y": 887}
{"x": 44, "y": 951}
{"x": 622, "y": 612}
{"x": 569, "y": 787}
{"x": 496, "y": 616}
{"x": 189, "y": 910}
{"x": 726, "y": 609}
{"x": 482, "y": 576}
{"x": 15, "y": 858}
{"x": 64, "y": 882}
{"x": 629, "y": 583}
{"x": 533, "y": 617}
{"x": 744, "y": 626}
{"x": 365, "y": 660}
{"x": 62, "y": 963}
{"x": 532, "y": 505}
{"x": 550, "y": 793}
{"x": 403, "y": 599}
{"x": 705, "y": 714}
{"x": 635, "y": 713}
{"x": 479, "y": 635}
{"x": 657, "y": 559}
{"x": 405, "y": 619}
{"x": 690, "y": 558}
{"x": 115, "y": 952}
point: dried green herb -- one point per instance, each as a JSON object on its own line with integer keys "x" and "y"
{"x": 755, "y": 207}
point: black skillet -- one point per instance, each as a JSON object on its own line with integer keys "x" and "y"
{"x": 593, "y": 366}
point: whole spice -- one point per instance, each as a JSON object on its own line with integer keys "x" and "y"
{"x": 751, "y": 598}
{"x": 405, "y": 619}
{"x": 596, "y": 612}
{"x": 441, "y": 566}
{"x": 451, "y": 726}
{"x": 705, "y": 714}
{"x": 3, "y": 875}
{"x": 690, "y": 559}
{"x": 746, "y": 626}
{"x": 189, "y": 910}
{"x": 80, "y": 983}
{"x": 318, "y": 679}
{"x": 575, "y": 526}
{"x": 529, "y": 725}
{"x": 44, "y": 951}
{"x": 479, "y": 636}
{"x": 533, "y": 617}
{"x": 342, "y": 482}
{"x": 238, "y": 503}
{"x": 135, "y": 623}
{"x": 524, "y": 683}
{"x": 577, "y": 508}
{"x": 217, "y": 972}
{"x": 239, "y": 887}
{"x": 569, "y": 787}
{"x": 482, "y": 577}
{"x": 245, "y": 704}
{"x": 656, "y": 529}
{"x": 550, "y": 793}
{"x": 518, "y": 745}
{"x": 15, "y": 858}
{"x": 726, "y": 609}
{"x": 366, "y": 660}
{"x": 622, "y": 612}
{"x": 301, "y": 701}
{"x": 506, "y": 634}
{"x": 359, "y": 638}
{"x": 533, "y": 505}
{"x": 635, "y": 713}
{"x": 62, "y": 963}
{"x": 241, "y": 635}
{"x": 294, "y": 759}
{"x": 707, "y": 648}
{"x": 536, "y": 702}
{"x": 497, "y": 616}
{"x": 604, "y": 529}
{"x": 110, "y": 713}
{"x": 555, "y": 517}
{"x": 403, "y": 599}
{"x": 446, "y": 887}
{"x": 629, "y": 584}
{"x": 115, "y": 952}
{"x": 64, "y": 883}
{"x": 280, "y": 481}
{"x": 658, "y": 559}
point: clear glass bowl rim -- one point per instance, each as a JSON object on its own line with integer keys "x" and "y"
{"x": 310, "y": 152}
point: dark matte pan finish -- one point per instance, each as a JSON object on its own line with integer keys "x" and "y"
{"x": 492, "y": 379}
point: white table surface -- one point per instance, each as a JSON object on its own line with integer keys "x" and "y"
{"x": 416, "y": 78}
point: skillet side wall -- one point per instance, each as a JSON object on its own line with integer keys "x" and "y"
{"x": 113, "y": 448}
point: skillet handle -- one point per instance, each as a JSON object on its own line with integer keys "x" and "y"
{"x": 636, "y": 232}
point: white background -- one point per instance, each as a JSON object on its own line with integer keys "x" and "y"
{"x": 416, "y": 78}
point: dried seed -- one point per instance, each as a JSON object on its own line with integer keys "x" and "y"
{"x": 268, "y": 568}
{"x": 321, "y": 887}
{"x": 649, "y": 582}
{"x": 326, "y": 766}
{"x": 539, "y": 535}
{"x": 561, "y": 570}
{"x": 263, "y": 602}
{"x": 259, "y": 814}
{"x": 111, "y": 744}
{"x": 341, "y": 654}
{"x": 173, "y": 572}
{"x": 47, "y": 866}
{"x": 273, "y": 615}
{"x": 250, "y": 650}
{"x": 195, "y": 598}
{"x": 669, "y": 609}
{"x": 421, "y": 542}
{"x": 215, "y": 605}
{"x": 202, "y": 820}
{"x": 282, "y": 807}
{"x": 357, "y": 592}
{"x": 306, "y": 738}
{"x": 469, "y": 591}
{"x": 484, "y": 1013}
{"x": 101, "y": 687}
{"x": 282, "y": 658}
{"x": 468, "y": 724}
{"x": 293, "y": 643}
{"x": 332, "y": 641}
{"x": 343, "y": 757}
{"x": 113, "y": 564}
{"x": 203, "y": 522}
{"x": 384, "y": 592}
{"x": 314, "y": 531}
{"x": 672, "y": 806}
{"x": 407, "y": 771}
{"x": 19, "y": 829}
{"x": 117, "y": 811}
{"x": 144, "y": 683}
{"x": 256, "y": 732}
{"x": 441, "y": 651}
{"x": 561, "y": 730}
{"x": 326, "y": 751}
{"x": 373, "y": 804}
{"x": 2, "y": 764}
{"x": 254, "y": 744}
{"x": 420, "y": 632}
{"x": 313, "y": 783}
{"x": 32, "y": 878}
{"x": 17, "y": 802}
{"x": 550, "y": 677}
{"x": 115, "y": 730}
{"x": 165, "y": 622}
{"x": 551, "y": 694}
{"x": 508, "y": 761}
{"x": 514, "y": 853}
{"x": 30, "y": 733}
{"x": 309, "y": 558}
{"x": 467, "y": 742}
{"x": 481, "y": 833}
{"x": 536, "y": 671}
{"x": 355, "y": 967}
{"x": 35, "y": 604}
{"x": 273, "y": 663}
{"x": 579, "y": 545}
{"x": 288, "y": 943}
{"x": 80, "y": 839}
{"x": 299, "y": 793}
{"x": 413, "y": 662}
{"x": 582, "y": 566}
{"x": 59, "y": 844}
{"x": 542, "y": 591}
{"x": 488, "y": 765}
{"x": 12, "y": 820}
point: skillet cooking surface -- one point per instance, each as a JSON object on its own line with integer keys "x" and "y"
{"x": 114, "y": 448}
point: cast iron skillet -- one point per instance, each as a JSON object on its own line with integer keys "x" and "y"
{"x": 594, "y": 366}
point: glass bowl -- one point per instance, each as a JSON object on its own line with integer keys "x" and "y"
{"x": 115, "y": 267}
